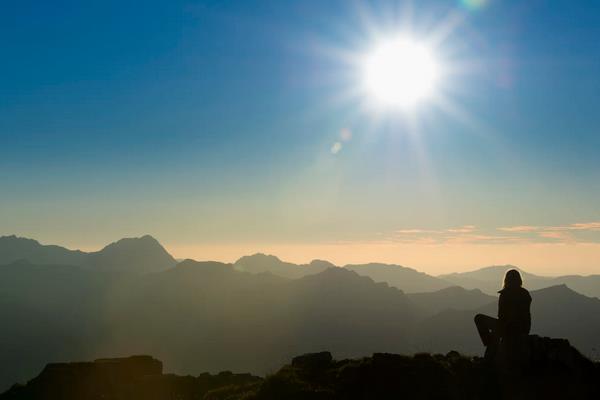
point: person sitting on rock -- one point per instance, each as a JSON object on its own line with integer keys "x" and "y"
{"x": 514, "y": 317}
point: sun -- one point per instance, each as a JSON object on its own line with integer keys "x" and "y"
{"x": 400, "y": 73}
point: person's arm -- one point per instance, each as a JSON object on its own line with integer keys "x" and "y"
{"x": 501, "y": 314}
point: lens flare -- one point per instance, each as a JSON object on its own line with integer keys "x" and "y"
{"x": 474, "y": 4}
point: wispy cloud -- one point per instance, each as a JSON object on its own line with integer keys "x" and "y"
{"x": 481, "y": 239}
{"x": 580, "y": 232}
{"x": 557, "y": 235}
{"x": 519, "y": 228}
{"x": 580, "y": 226}
{"x": 414, "y": 231}
{"x": 463, "y": 229}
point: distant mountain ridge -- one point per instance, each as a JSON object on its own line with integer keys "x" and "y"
{"x": 132, "y": 255}
{"x": 454, "y": 297}
{"x": 557, "y": 311}
{"x": 407, "y": 279}
{"x": 13, "y": 248}
{"x": 261, "y": 263}
{"x": 489, "y": 280}
{"x": 145, "y": 254}
{"x": 211, "y": 316}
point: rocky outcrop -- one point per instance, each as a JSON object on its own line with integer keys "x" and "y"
{"x": 547, "y": 369}
{"x": 137, "y": 377}
{"x": 534, "y": 352}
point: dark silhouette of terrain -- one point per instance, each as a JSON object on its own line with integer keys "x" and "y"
{"x": 551, "y": 369}
{"x": 145, "y": 254}
{"x": 259, "y": 263}
{"x": 407, "y": 279}
{"x": 556, "y": 311}
{"x": 454, "y": 297}
{"x": 411, "y": 281}
{"x": 13, "y": 248}
{"x": 208, "y": 316}
{"x": 196, "y": 316}
{"x": 487, "y": 279}
{"x": 136, "y": 377}
{"x": 130, "y": 255}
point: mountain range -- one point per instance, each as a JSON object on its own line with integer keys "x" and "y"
{"x": 129, "y": 255}
{"x": 487, "y": 279}
{"x": 146, "y": 254}
{"x": 248, "y": 316}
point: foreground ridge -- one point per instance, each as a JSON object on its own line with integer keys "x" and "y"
{"x": 551, "y": 369}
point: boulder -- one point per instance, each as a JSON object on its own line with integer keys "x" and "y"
{"x": 313, "y": 361}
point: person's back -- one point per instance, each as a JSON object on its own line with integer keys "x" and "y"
{"x": 514, "y": 317}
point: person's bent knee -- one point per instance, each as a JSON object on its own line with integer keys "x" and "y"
{"x": 478, "y": 318}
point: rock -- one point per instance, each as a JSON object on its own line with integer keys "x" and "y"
{"x": 136, "y": 377}
{"x": 313, "y": 361}
{"x": 553, "y": 369}
{"x": 532, "y": 352}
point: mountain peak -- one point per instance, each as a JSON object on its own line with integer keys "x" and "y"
{"x": 260, "y": 263}
{"x": 143, "y": 254}
{"x": 13, "y": 248}
{"x": 259, "y": 257}
{"x": 14, "y": 239}
{"x": 322, "y": 263}
{"x": 337, "y": 275}
{"x": 558, "y": 289}
{"x": 189, "y": 265}
{"x": 146, "y": 240}
{"x": 404, "y": 278}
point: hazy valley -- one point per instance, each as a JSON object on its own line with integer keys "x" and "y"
{"x": 250, "y": 316}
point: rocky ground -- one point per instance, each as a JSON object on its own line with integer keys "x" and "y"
{"x": 544, "y": 369}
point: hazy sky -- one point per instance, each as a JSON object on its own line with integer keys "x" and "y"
{"x": 229, "y": 127}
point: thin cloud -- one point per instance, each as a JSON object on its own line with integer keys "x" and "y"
{"x": 520, "y": 228}
{"x": 410, "y": 231}
{"x": 463, "y": 229}
{"x": 581, "y": 232}
{"x": 482, "y": 239}
{"x": 586, "y": 226}
{"x": 557, "y": 235}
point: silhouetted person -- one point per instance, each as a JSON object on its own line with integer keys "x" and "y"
{"x": 514, "y": 317}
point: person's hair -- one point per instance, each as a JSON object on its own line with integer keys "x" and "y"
{"x": 512, "y": 278}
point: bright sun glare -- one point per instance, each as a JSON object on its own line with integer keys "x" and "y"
{"x": 400, "y": 73}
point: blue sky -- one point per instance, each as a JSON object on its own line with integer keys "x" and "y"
{"x": 210, "y": 124}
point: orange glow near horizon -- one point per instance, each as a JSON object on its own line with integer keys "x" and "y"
{"x": 435, "y": 259}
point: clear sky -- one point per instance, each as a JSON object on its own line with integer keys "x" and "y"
{"x": 228, "y": 127}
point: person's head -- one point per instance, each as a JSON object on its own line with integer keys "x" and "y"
{"x": 512, "y": 279}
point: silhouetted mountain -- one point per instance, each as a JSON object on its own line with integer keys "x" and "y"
{"x": 47, "y": 313}
{"x": 550, "y": 369}
{"x": 136, "y": 377}
{"x": 407, "y": 279}
{"x": 454, "y": 297}
{"x": 209, "y": 316}
{"x": 195, "y": 316}
{"x": 131, "y": 255}
{"x": 137, "y": 255}
{"x": 588, "y": 285}
{"x": 489, "y": 280}
{"x": 214, "y": 317}
{"x": 13, "y": 248}
{"x": 259, "y": 263}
